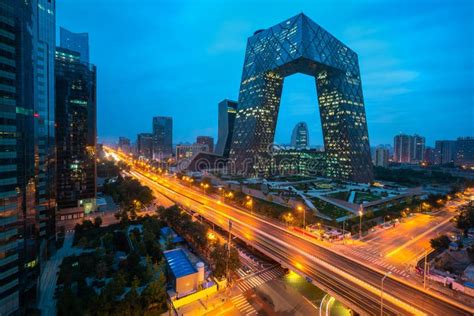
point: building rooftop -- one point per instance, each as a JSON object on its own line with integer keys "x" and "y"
{"x": 179, "y": 263}
{"x": 167, "y": 231}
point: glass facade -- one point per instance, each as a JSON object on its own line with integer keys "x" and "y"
{"x": 78, "y": 42}
{"x": 27, "y": 156}
{"x": 300, "y": 136}
{"x": 226, "y": 119}
{"x": 76, "y": 130}
{"x": 300, "y": 45}
{"x": 163, "y": 137}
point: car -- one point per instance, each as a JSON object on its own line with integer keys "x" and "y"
{"x": 246, "y": 269}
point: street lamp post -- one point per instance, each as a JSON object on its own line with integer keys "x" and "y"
{"x": 361, "y": 208}
{"x": 381, "y": 289}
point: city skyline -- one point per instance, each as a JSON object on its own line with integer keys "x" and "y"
{"x": 394, "y": 74}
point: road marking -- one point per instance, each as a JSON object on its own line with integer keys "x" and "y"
{"x": 408, "y": 243}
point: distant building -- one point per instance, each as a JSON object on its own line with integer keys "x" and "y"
{"x": 145, "y": 145}
{"x": 465, "y": 151}
{"x": 226, "y": 119}
{"x": 408, "y": 148}
{"x": 381, "y": 157}
{"x": 124, "y": 144}
{"x": 75, "y": 130}
{"x": 445, "y": 151}
{"x": 402, "y": 148}
{"x": 184, "y": 151}
{"x": 300, "y": 136}
{"x": 163, "y": 137}
{"x": 78, "y": 42}
{"x": 418, "y": 148}
{"x": 430, "y": 156}
{"x": 206, "y": 140}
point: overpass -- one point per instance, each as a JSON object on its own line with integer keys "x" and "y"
{"x": 348, "y": 280}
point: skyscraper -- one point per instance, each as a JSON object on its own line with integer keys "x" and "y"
{"x": 145, "y": 145}
{"x": 78, "y": 42}
{"x": 27, "y": 156}
{"x": 76, "y": 131}
{"x": 163, "y": 137}
{"x": 300, "y": 136}
{"x": 465, "y": 151}
{"x": 227, "y": 110}
{"x": 206, "y": 140}
{"x": 300, "y": 45}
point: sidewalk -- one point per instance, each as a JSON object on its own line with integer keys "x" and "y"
{"x": 49, "y": 276}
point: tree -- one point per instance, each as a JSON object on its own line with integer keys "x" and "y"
{"x": 154, "y": 294}
{"x": 440, "y": 242}
{"x": 466, "y": 218}
{"x": 98, "y": 221}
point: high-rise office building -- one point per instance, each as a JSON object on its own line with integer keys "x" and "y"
{"x": 163, "y": 137}
{"x": 226, "y": 117}
{"x": 465, "y": 151}
{"x": 145, "y": 145}
{"x": 300, "y": 136}
{"x": 206, "y": 140}
{"x": 78, "y": 42}
{"x": 445, "y": 151}
{"x": 381, "y": 157}
{"x": 27, "y": 157}
{"x": 75, "y": 131}
{"x": 299, "y": 45}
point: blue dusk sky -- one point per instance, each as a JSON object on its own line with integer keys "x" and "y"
{"x": 180, "y": 58}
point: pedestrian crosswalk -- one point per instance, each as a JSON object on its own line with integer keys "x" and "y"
{"x": 260, "y": 278}
{"x": 377, "y": 260}
{"x": 243, "y": 305}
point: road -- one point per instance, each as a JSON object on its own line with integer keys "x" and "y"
{"x": 399, "y": 248}
{"x": 353, "y": 283}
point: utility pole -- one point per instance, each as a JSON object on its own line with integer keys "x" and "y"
{"x": 228, "y": 252}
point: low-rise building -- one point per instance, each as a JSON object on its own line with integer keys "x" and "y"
{"x": 184, "y": 277}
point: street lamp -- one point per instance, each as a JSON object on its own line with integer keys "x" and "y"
{"x": 361, "y": 212}
{"x": 381, "y": 289}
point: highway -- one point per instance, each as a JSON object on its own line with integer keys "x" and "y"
{"x": 353, "y": 283}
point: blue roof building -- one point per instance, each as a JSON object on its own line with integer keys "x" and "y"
{"x": 183, "y": 276}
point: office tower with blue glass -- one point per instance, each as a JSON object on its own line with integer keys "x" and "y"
{"x": 76, "y": 131}
{"x": 78, "y": 42}
{"x": 226, "y": 118}
{"x": 162, "y": 137}
{"x": 299, "y": 45}
{"x": 300, "y": 136}
{"x": 27, "y": 143}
